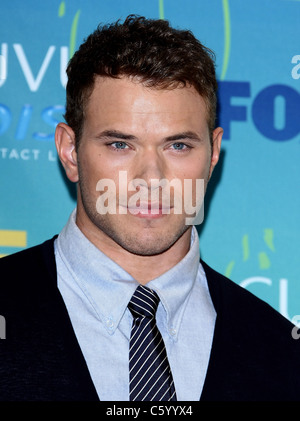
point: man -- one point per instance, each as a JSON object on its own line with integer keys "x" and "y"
{"x": 140, "y": 115}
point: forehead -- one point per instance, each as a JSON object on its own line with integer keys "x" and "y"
{"x": 127, "y": 100}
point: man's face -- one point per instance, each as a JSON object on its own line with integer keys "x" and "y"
{"x": 147, "y": 134}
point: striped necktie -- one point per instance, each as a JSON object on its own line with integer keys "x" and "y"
{"x": 149, "y": 371}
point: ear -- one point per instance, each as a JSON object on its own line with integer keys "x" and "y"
{"x": 216, "y": 148}
{"x": 65, "y": 145}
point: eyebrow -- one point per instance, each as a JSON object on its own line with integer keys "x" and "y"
{"x": 184, "y": 135}
{"x": 116, "y": 134}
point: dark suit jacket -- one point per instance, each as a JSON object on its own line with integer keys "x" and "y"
{"x": 253, "y": 357}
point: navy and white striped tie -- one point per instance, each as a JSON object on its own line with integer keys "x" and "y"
{"x": 149, "y": 371}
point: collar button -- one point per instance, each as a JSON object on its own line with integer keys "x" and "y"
{"x": 109, "y": 323}
{"x": 172, "y": 331}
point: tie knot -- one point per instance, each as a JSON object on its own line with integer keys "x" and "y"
{"x": 144, "y": 302}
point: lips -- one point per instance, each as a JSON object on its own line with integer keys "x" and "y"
{"x": 149, "y": 209}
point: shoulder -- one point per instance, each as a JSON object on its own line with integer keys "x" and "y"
{"x": 21, "y": 270}
{"x": 247, "y": 319}
{"x": 230, "y": 298}
{"x": 251, "y": 341}
{"x": 28, "y": 254}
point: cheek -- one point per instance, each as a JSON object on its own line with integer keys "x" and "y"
{"x": 89, "y": 171}
{"x": 196, "y": 168}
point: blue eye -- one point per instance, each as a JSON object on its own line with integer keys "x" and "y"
{"x": 119, "y": 145}
{"x": 179, "y": 146}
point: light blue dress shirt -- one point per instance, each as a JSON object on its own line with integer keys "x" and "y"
{"x": 96, "y": 292}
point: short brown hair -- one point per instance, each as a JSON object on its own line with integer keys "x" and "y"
{"x": 161, "y": 56}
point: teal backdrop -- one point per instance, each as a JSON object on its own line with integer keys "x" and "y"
{"x": 251, "y": 228}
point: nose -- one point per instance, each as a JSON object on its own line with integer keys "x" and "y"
{"x": 150, "y": 166}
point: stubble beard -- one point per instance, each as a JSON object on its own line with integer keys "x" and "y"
{"x": 145, "y": 241}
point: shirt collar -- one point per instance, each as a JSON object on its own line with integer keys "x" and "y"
{"x": 109, "y": 288}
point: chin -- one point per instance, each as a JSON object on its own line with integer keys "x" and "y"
{"x": 146, "y": 249}
{"x": 150, "y": 245}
